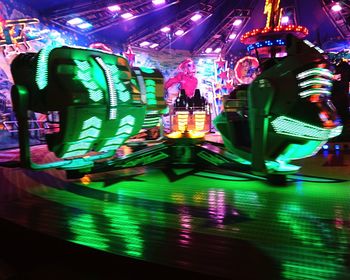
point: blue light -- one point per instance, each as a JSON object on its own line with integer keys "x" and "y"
{"x": 336, "y": 147}
{"x": 267, "y": 43}
{"x": 325, "y": 147}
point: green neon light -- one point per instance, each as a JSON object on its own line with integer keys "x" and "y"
{"x": 126, "y": 125}
{"x": 74, "y": 153}
{"x": 84, "y": 75}
{"x": 151, "y": 92}
{"x": 111, "y": 89}
{"x": 127, "y": 120}
{"x": 95, "y": 95}
{"x": 89, "y": 132}
{"x": 151, "y": 122}
{"x": 87, "y": 232}
{"x": 127, "y": 228}
{"x": 42, "y": 68}
{"x": 127, "y": 129}
{"x": 248, "y": 201}
{"x": 91, "y": 85}
{"x": 315, "y": 82}
{"x": 150, "y": 83}
{"x": 314, "y": 236}
{"x": 123, "y": 93}
{"x": 116, "y": 141}
{"x": 113, "y": 68}
{"x": 114, "y": 144}
{"x": 292, "y": 127}
{"x": 147, "y": 70}
{"x": 310, "y": 92}
{"x": 281, "y": 166}
{"x": 315, "y": 72}
{"x": 298, "y": 151}
{"x": 124, "y": 131}
{"x": 92, "y": 122}
{"x": 134, "y": 82}
{"x": 79, "y": 146}
{"x": 121, "y": 90}
{"x": 82, "y": 65}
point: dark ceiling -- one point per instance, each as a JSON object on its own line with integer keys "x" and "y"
{"x": 308, "y": 13}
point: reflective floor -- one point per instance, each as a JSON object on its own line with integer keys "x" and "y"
{"x": 219, "y": 223}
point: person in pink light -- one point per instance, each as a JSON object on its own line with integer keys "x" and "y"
{"x": 185, "y": 79}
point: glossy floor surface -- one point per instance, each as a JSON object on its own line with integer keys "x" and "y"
{"x": 219, "y": 223}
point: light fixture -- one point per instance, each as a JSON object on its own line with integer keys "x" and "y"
{"x": 179, "y": 32}
{"x": 208, "y": 50}
{"x": 232, "y": 36}
{"x": 144, "y": 44}
{"x": 154, "y": 45}
{"x": 85, "y": 25}
{"x": 114, "y": 8}
{"x": 165, "y": 29}
{"x": 75, "y": 21}
{"x": 158, "y": 2}
{"x": 285, "y": 19}
{"x": 127, "y": 15}
{"x": 217, "y": 50}
{"x": 237, "y": 22}
{"x": 336, "y": 7}
{"x": 196, "y": 17}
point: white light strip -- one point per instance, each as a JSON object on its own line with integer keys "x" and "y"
{"x": 292, "y": 127}
{"x": 42, "y": 70}
{"x": 315, "y": 81}
{"x": 315, "y": 72}
{"x": 111, "y": 89}
{"x": 142, "y": 86}
{"x": 310, "y": 92}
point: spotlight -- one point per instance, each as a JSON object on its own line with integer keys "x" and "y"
{"x": 232, "y": 36}
{"x": 165, "y": 29}
{"x": 217, "y": 50}
{"x": 85, "y": 25}
{"x": 154, "y": 45}
{"x": 144, "y": 44}
{"x": 75, "y": 21}
{"x": 285, "y": 19}
{"x": 158, "y": 2}
{"x": 237, "y": 22}
{"x": 336, "y": 7}
{"x": 325, "y": 147}
{"x": 337, "y": 147}
{"x": 179, "y": 32}
{"x": 196, "y": 17}
{"x": 208, "y": 50}
{"x": 127, "y": 15}
{"x": 114, "y": 8}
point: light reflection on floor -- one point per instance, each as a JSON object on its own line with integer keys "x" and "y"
{"x": 217, "y": 222}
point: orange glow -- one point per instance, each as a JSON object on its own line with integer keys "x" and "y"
{"x": 190, "y": 121}
{"x": 300, "y": 30}
{"x": 85, "y": 180}
{"x": 271, "y": 9}
{"x": 315, "y": 98}
{"x": 329, "y": 123}
{"x": 196, "y": 134}
{"x": 174, "y": 135}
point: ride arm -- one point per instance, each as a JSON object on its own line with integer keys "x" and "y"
{"x": 260, "y": 96}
